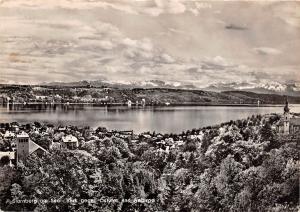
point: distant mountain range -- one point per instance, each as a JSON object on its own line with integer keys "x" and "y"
{"x": 291, "y": 89}
{"x": 140, "y": 84}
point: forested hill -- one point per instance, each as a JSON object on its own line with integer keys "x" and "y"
{"x": 242, "y": 165}
{"x": 152, "y": 96}
{"x": 270, "y": 98}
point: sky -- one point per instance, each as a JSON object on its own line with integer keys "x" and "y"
{"x": 182, "y": 42}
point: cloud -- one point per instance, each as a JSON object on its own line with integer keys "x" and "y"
{"x": 288, "y": 13}
{"x": 267, "y": 51}
{"x": 15, "y": 58}
{"x": 102, "y": 50}
{"x": 216, "y": 63}
{"x": 144, "y": 44}
{"x": 158, "y": 7}
{"x": 54, "y": 4}
{"x": 149, "y": 7}
{"x": 106, "y": 45}
{"x": 170, "y": 6}
{"x": 218, "y": 60}
{"x": 165, "y": 58}
{"x": 235, "y": 27}
{"x": 193, "y": 70}
{"x": 75, "y": 40}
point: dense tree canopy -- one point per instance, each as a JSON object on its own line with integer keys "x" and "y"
{"x": 231, "y": 167}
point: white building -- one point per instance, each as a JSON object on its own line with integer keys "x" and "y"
{"x": 69, "y": 142}
{"x": 143, "y": 102}
{"x": 9, "y": 134}
{"x": 288, "y": 124}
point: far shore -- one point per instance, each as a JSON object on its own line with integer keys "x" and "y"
{"x": 149, "y": 105}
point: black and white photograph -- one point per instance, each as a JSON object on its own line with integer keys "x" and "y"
{"x": 149, "y": 106}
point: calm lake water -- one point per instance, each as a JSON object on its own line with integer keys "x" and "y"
{"x": 169, "y": 119}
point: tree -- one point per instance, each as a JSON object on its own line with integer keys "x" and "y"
{"x": 190, "y": 146}
{"x": 169, "y": 194}
{"x": 17, "y": 197}
{"x": 4, "y": 160}
{"x": 227, "y": 183}
{"x": 267, "y": 133}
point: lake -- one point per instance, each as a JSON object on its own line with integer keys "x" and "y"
{"x": 166, "y": 119}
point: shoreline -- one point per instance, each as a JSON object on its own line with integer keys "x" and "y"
{"x": 148, "y": 105}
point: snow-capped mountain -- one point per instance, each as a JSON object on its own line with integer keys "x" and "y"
{"x": 291, "y": 89}
{"x": 126, "y": 84}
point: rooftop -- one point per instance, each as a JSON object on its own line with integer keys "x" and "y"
{"x": 33, "y": 147}
{"x": 69, "y": 138}
{"x": 23, "y": 135}
{"x": 295, "y": 121}
{"x": 9, "y": 134}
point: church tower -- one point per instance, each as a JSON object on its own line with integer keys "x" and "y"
{"x": 286, "y": 119}
{"x": 22, "y": 146}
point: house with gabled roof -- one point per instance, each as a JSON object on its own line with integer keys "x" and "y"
{"x": 69, "y": 142}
